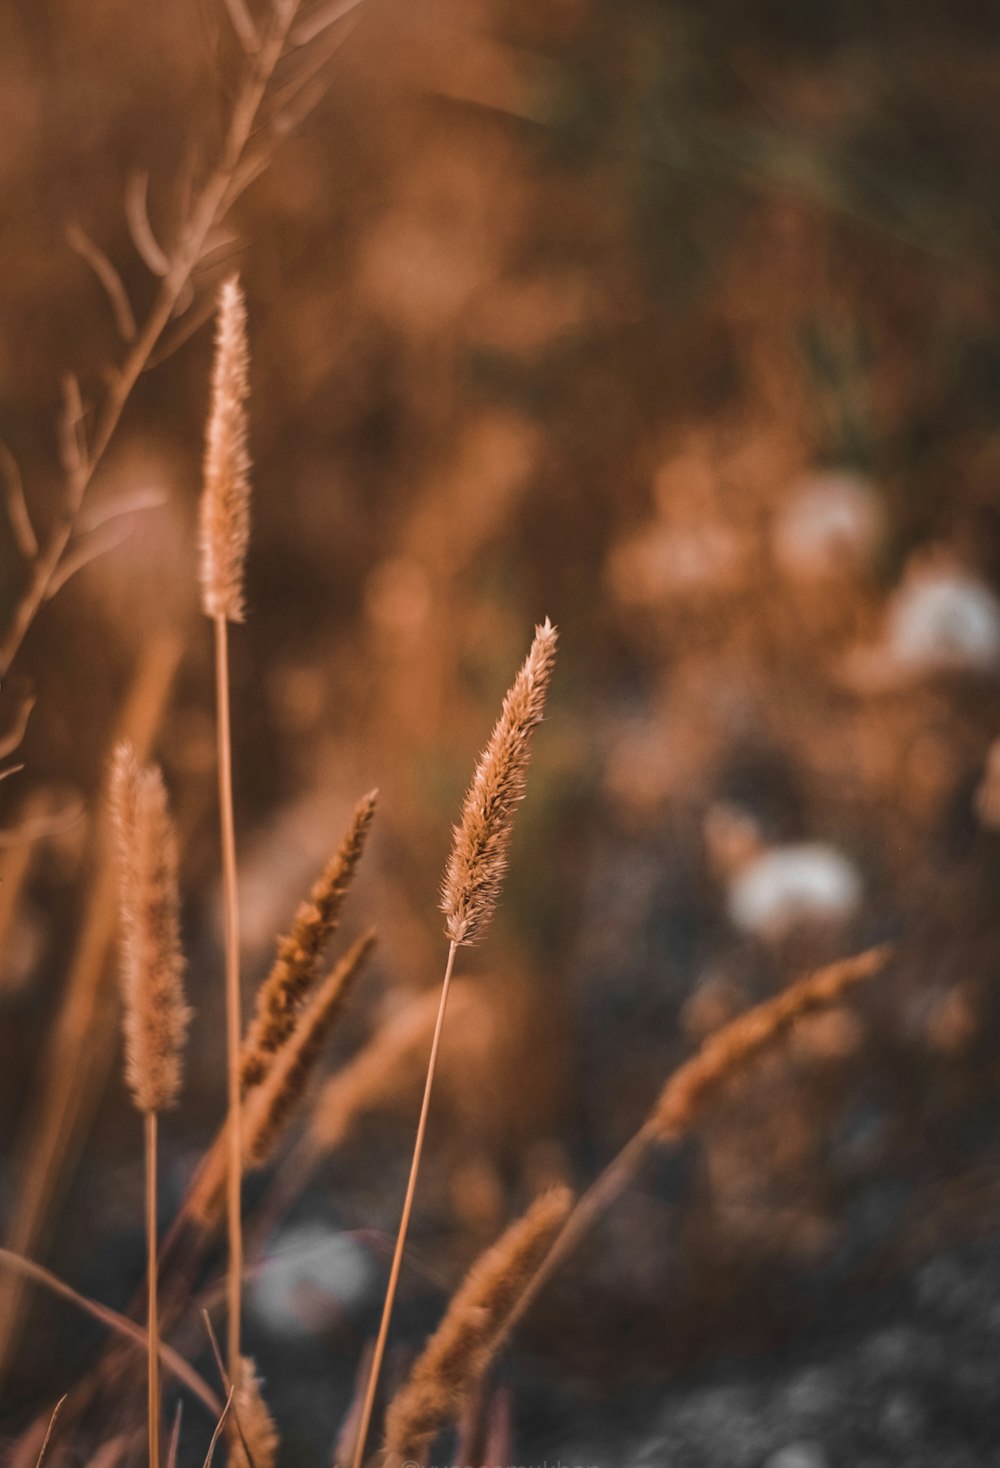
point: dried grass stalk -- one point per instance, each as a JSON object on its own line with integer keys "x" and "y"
{"x": 478, "y": 861}
{"x": 152, "y": 965}
{"x": 700, "y": 1080}
{"x": 225, "y": 502}
{"x": 224, "y": 533}
{"x": 72, "y": 1074}
{"x": 295, "y": 971}
{"x": 470, "y": 890}
{"x": 457, "y": 1355}
{"x": 156, "y": 1015}
{"x": 690, "y": 1091}
{"x": 271, "y": 1104}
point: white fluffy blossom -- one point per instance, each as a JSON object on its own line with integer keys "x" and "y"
{"x": 790, "y": 885}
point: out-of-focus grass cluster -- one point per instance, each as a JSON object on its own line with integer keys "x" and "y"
{"x": 677, "y": 324}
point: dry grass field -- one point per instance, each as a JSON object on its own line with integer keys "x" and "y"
{"x": 499, "y": 734}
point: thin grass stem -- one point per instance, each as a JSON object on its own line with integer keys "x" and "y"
{"x": 411, "y": 1187}
{"x": 233, "y": 1022}
{"x": 152, "y": 1317}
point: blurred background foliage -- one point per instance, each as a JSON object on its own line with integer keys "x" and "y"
{"x": 678, "y": 324}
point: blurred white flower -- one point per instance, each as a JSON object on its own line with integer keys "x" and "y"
{"x": 943, "y": 616}
{"x": 831, "y": 523}
{"x": 790, "y": 885}
{"x": 312, "y": 1274}
{"x": 940, "y": 618}
{"x": 798, "y": 1455}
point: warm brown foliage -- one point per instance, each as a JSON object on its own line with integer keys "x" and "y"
{"x": 542, "y": 320}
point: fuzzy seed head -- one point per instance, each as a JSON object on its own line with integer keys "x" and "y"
{"x": 152, "y": 965}
{"x": 725, "y": 1054}
{"x": 459, "y": 1352}
{"x": 478, "y": 861}
{"x": 256, "y": 1425}
{"x": 271, "y": 1105}
{"x": 296, "y": 968}
{"x": 224, "y": 516}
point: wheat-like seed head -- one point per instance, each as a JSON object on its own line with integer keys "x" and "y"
{"x": 255, "y": 1423}
{"x": 270, "y": 1105}
{"x": 457, "y": 1355}
{"x": 478, "y": 861}
{"x": 692, "y": 1088}
{"x": 295, "y": 970}
{"x": 224, "y": 515}
{"x": 152, "y": 965}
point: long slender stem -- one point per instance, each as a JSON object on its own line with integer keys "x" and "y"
{"x": 233, "y": 1025}
{"x": 152, "y": 1318}
{"x": 404, "y": 1223}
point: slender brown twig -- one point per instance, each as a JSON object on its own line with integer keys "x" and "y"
{"x": 208, "y": 208}
{"x": 219, "y": 1427}
{"x": 175, "y": 1437}
{"x": 48, "y": 1432}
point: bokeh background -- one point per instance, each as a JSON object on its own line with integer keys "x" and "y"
{"x": 676, "y": 323}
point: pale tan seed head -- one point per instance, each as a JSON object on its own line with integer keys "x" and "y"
{"x": 295, "y": 971}
{"x": 253, "y": 1438}
{"x": 478, "y": 862}
{"x": 726, "y": 1053}
{"x": 457, "y": 1355}
{"x": 152, "y": 965}
{"x": 271, "y": 1104}
{"x": 224, "y": 514}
